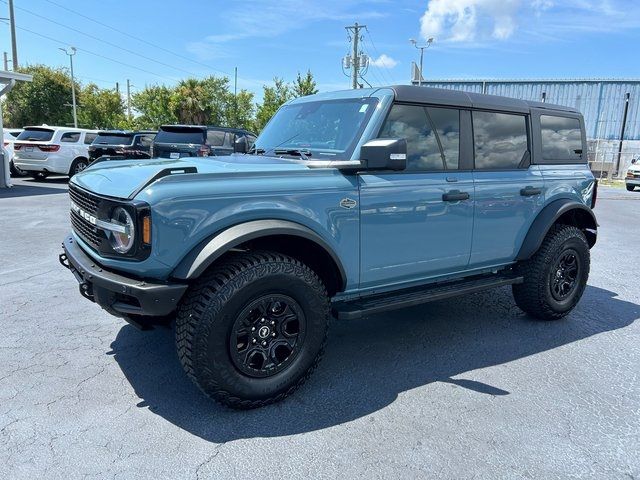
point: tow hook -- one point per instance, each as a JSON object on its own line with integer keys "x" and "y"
{"x": 64, "y": 261}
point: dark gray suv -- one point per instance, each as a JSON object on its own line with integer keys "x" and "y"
{"x": 176, "y": 141}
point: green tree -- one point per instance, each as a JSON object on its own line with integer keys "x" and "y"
{"x": 201, "y": 101}
{"x": 304, "y": 86}
{"x": 100, "y": 108}
{"x": 153, "y": 105}
{"x": 45, "y": 100}
{"x": 240, "y": 110}
{"x": 273, "y": 98}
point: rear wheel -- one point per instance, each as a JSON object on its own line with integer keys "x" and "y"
{"x": 556, "y": 276}
{"x": 252, "y": 330}
{"x": 78, "y": 165}
{"x": 17, "y": 172}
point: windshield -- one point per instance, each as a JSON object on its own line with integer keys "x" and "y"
{"x": 180, "y": 135}
{"x": 36, "y": 134}
{"x": 113, "y": 139}
{"x": 327, "y": 129}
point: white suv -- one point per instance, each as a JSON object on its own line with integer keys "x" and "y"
{"x": 44, "y": 150}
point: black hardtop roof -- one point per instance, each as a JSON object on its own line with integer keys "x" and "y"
{"x": 126, "y": 132}
{"x": 207, "y": 127}
{"x": 441, "y": 96}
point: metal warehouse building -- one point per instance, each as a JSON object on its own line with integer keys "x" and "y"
{"x": 611, "y": 109}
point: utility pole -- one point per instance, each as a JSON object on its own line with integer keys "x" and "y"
{"x": 235, "y": 97}
{"x": 422, "y": 48}
{"x": 14, "y": 46}
{"x": 118, "y": 88}
{"x": 73, "y": 85}
{"x": 129, "y": 99}
{"x": 357, "y": 60}
{"x": 6, "y": 61}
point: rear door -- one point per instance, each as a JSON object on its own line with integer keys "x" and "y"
{"x": 417, "y": 223}
{"x": 509, "y": 190}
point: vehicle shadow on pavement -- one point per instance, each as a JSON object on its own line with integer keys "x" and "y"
{"x": 369, "y": 362}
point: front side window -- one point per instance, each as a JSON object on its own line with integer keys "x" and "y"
{"x": 500, "y": 140}
{"x": 326, "y": 129}
{"x": 70, "y": 137}
{"x": 561, "y": 138}
{"x": 89, "y": 138}
{"x": 145, "y": 140}
{"x": 432, "y": 135}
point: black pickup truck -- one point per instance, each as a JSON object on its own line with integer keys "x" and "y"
{"x": 122, "y": 144}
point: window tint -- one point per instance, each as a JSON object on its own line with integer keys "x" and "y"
{"x": 36, "y": 134}
{"x": 215, "y": 138}
{"x": 251, "y": 139}
{"x": 561, "y": 138}
{"x": 432, "y": 135}
{"x": 113, "y": 139}
{"x": 89, "y": 138}
{"x": 180, "y": 135}
{"x": 500, "y": 140}
{"x": 70, "y": 137}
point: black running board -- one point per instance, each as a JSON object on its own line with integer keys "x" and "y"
{"x": 416, "y": 296}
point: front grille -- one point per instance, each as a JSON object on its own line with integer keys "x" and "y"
{"x": 87, "y": 202}
{"x": 90, "y": 234}
{"x": 84, "y": 229}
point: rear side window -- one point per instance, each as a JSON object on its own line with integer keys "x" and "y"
{"x": 36, "y": 134}
{"x": 89, "y": 138}
{"x": 561, "y": 138}
{"x": 215, "y": 138}
{"x": 500, "y": 140}
{"x": 432, "y": 135}
{"x": 180, "y": 135}
{"x": 70, "y": 137}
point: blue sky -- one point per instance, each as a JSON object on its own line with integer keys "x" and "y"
{"x": 264, "y": 38}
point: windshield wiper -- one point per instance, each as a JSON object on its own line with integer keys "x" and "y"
{"x": 256, "y": 151}
{"x": 302, "y": 153}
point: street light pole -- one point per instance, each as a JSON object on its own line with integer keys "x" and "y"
{"x": 73, "y": 85}
{"x": 422, "y": 49}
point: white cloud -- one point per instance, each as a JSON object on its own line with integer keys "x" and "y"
{"x": 384, "y": 61}
{"x": 469, "y": 20}
{"x": 479, "y": 23}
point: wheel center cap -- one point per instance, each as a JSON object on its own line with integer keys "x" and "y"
{"x": 264, "y": 332}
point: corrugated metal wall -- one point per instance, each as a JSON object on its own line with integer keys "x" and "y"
{"x": 600, "y": 101}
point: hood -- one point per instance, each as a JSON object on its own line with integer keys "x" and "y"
{"x": 123, "y": 178}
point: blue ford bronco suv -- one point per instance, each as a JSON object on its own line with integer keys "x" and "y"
{"x": 348, "y": 204}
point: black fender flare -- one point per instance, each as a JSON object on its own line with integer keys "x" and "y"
{"x": 207, "y": 252}
{"x": 545, "y": 220}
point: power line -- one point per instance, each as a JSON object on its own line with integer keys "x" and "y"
{"x": 122, "y": 32}
{"x": 60, "y": 42}
{"x": 104, "y": 41}
{"x": 370, "y": 39}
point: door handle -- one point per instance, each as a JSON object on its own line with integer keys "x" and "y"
{"x": 530, "y": 191}
{"x": 455, "y": 196}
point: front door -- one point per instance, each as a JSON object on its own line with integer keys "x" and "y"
{"x": 417, "y": 223}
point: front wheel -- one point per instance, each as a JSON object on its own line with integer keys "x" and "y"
{"x": 631, "y": 188}
{"x": 252, "y": 330}
{"x": 556, "y": 276}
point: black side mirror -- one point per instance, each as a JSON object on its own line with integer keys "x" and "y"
{"x": 385, "y": 154}
{"x": 241, "y": 145}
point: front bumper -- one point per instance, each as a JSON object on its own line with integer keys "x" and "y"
{"x": 119, "y": 295}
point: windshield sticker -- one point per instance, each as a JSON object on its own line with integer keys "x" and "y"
{"x": 364, "y": 108}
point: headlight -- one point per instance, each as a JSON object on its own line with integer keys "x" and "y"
{"x": 122, "y": 241}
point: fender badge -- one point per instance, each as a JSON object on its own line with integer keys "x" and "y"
{"x": 348, "y": 203}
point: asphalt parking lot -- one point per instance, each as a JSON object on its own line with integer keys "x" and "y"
{"x": 464, "y": 388}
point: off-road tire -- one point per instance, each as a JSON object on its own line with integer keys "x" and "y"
{"x": 210, "y": 307}
{"x": 631, "y": 188}
{"x": 534, "y": 296}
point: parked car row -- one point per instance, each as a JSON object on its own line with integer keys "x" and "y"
{"x": 39, "y": 151}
